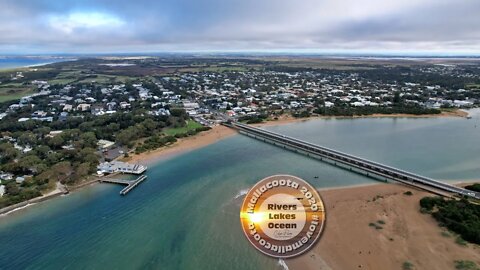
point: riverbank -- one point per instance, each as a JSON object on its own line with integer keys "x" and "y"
{"x": 183, "y": 145}
{"x": 12, "y": 208}
{"x": 381, "y": 227}
{"x": 220, "y": 132}
{"x": 287, "y": 119}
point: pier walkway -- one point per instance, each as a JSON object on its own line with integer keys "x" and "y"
{"x": 130, "y": 184}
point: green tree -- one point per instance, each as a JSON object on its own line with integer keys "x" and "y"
{"x": 56, "y": 141}
{"x": 396, "y": 97}
{"x": 62, "y": 171}
{"x": 27, "y": 138}
{"x": 87, "y": 139}
{"x": 8, "y": 152}
{"x": 31, "y": 164}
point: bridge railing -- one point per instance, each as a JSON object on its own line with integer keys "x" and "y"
{"x": 354, "y": 159}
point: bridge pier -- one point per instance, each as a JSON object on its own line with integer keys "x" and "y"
{"x": 372, "y": 168}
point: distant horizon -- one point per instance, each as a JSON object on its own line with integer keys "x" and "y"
{"x": 360, "y": 54}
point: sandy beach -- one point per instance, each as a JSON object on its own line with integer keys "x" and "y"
{"x": 183, "y": 145}
{"x": 220, "y": 132}
{"x": 287, "y": 119}
{"x": 348, "y": 242}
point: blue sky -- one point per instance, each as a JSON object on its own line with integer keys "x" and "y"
{"x": 106, "y": 26}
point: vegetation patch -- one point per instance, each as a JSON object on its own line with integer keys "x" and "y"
{"x": 445, "y": 234}
{"x": 408, "y": 266}
{"x": 190, "y": 127}
{"x": 466, "y": 265}
{"x": 9, "y": 93}
{"x": 459, "y": 216}
{"x": 474, "y": 187}
{"x": 375, "y": 225}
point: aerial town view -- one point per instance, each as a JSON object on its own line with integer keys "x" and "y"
{"x": 239, "y": 134}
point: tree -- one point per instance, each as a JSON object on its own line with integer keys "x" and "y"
{"x": 149, "y": 125}
{"x": 12, "y": 189}
{"x": 27, "y": 138}
{"x": 396, "y": 97}
{"x": 42, "y": 131}
{"x": 82, "y": 170}
{"x": 56, "y": 141}
{"x": 87, "y": 139}
{"x": 62, "y": 171}
{"x": 177, "y": 112}
{"x": 31, "y": 164}
{"x": 42, "y": 151}
{"x": 8, "y": 152}
{"x": 126, "y": 137}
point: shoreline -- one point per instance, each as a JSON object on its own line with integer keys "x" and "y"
{"x": 370, "y": 227}
{"x": 220, "y": 132}
{"x": 183, "y": 145}
{"x": 28, "y": 66}
{"x": 287, "y": 119}
{"x": 215, "y": 134}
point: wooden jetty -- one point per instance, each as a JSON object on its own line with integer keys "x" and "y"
{"x": 130, "y": 184}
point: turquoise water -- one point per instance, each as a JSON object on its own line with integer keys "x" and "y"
{"x": 185, "y": 215}
{"x": 18, "y": 61}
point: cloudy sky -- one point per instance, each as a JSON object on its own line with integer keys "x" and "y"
{"x": 89, "y": 26}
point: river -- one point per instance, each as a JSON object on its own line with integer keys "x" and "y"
{"x": 186, "y": 214}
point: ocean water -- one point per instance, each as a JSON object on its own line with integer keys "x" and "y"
{"x": 7, "y": 62}
{"x": 186, "y": 214}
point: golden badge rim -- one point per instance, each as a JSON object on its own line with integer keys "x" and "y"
{"x": 245, "y": 219}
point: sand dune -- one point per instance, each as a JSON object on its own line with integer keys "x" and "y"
{"x": 348, "y": 242}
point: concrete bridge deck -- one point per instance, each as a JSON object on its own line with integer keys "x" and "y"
{"x": 368, "y": 166}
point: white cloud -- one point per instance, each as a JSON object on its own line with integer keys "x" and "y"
{"x": 84, "y": 20}
{"x": 150, "y": 25}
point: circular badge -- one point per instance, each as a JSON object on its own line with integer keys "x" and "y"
{"x": 282, "y": 216}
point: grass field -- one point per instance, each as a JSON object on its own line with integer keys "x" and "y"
{"x": 8, "y": 93}
{"x": 472, "y": 86}
{"x": 191, "y": 125}
{"x": 105, "y": 79}
{"x": 216, "y": 68}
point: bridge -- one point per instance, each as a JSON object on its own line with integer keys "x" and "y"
{"x": 371, "y": 168}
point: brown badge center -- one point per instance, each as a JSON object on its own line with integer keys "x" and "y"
{"x": 282, "y": 216}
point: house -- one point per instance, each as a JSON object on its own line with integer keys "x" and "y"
{"x": 20, "y": 179}
{"x": 68, "y": 107}
{"x": 104, "y": 144}
{"x": 63, "y": 116}
{"x": 6, "y": 176}
{"x": 97, "y": 111}
{"x": 54, "y": 133}
{"x": 124, "y": 105}
{"x": 2, "y": 190}
{"x": 118, "y": 166}
{"x": 111, "y": 105}
{"x": 39, "y": 114}
{"x": 26, "y": 99}
{"x": 161, "y": 112}
{"x": 83, "y": 107}
{"x": 190, "y": 105}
